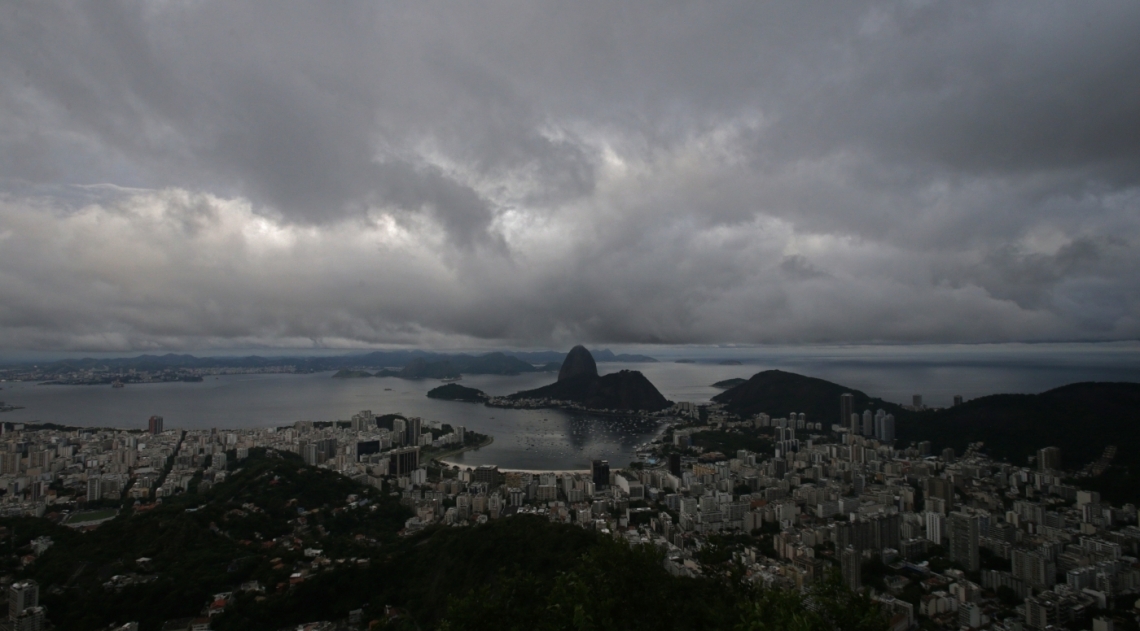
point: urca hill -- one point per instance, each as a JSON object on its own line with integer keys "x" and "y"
{"x": 579, "y": 382}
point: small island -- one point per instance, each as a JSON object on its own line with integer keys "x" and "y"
{"x": 729, "y": 383}
{"x": 456, "y": 392}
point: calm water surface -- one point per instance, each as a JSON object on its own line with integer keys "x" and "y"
{"x": 552, "y": 439}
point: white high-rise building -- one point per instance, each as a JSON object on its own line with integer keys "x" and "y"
{"x": 935, "y": 527}
{"x": 22, "y": 595}
{"x": 884, "y": 427}
{"x": 94, "y": 488}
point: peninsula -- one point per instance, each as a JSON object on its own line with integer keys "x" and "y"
{"x": 579, "y": 384}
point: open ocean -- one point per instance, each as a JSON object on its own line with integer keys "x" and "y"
{"x": 552, "y": 439}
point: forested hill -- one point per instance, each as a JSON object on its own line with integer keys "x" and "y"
{"x": 1080, "y": 418}
{"x": 578, "y": 381}
{"x": 294, "y": 543}
{"x": 456, "y": 392}
{"x": 779, "y": 393}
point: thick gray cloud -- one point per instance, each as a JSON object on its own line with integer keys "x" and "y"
{"x": 192, "y": 173}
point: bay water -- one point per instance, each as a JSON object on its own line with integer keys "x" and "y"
{"x": 554, "y": 439}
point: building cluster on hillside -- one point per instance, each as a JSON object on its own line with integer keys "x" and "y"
{"x": 39, "y": 469}
{"x": 954, "y": 540}
{"x": 1018, "y": 547}
{"x": 359, "y": 449}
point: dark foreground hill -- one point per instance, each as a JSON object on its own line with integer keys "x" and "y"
{"x": 170, "y": 559}
{"x": 578, "y": 381}
{"x": 265, "y": 523}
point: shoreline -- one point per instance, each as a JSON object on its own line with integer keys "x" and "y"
{"x": 570, "y": 409}
{"x": 503, "y": 470}
{"x": 539, "y": 471}
{"x": 456, "y": 452}
{"x": 490, "y": 439}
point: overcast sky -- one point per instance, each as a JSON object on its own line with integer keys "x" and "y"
{"x": 199, "y": 174}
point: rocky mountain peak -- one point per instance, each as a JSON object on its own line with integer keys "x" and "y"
{"x": 578, "y": 362}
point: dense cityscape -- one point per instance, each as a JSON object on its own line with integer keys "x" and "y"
{"x": 938, "y": 540}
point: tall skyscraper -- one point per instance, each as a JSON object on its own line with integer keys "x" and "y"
{"x": 22, "y": 595}
{"x": 916, "y": 401}
{"x": 309, "y": 454}
{"x": 868, "y": 424}
{"x": 154, "y": 425}
{"x": 964, "y": 531}
{"x": 363, "y": 421}
{"x": 846, "y": 409}
{"x": 675, "y": 464}
{"x": 403, "y": 461}
{"x": 486, "y": 474}
{"x": 885, "y": 427}
{"x": 1048, "y": 459}
{"x": 415, "y": 428}
{"x": 851, "y": 564}
{"x": 940, "y": 488}
{"x": 935, "y": 524}
{"x": 957, "y": 399}
{"x": 600, "y": 470}
{"x": 94, "y": 488}
{"x": 1034, "y": 567}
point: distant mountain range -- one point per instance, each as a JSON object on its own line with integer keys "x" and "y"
{"x": 425, "y": 364}
{"x": 604, "y": 355}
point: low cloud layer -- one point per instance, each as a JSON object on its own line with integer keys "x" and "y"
{"x": 188, "y": 175}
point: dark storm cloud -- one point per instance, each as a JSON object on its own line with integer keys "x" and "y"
{"x": 200, "y": 173}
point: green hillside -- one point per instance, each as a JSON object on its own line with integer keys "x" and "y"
{"x": 779, "y": 393}
{"x": 519, "y": 572}
{"x": 456, "y": 392}
{"x": 1081, "y": 418}
{"x": 201, "y": 544}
